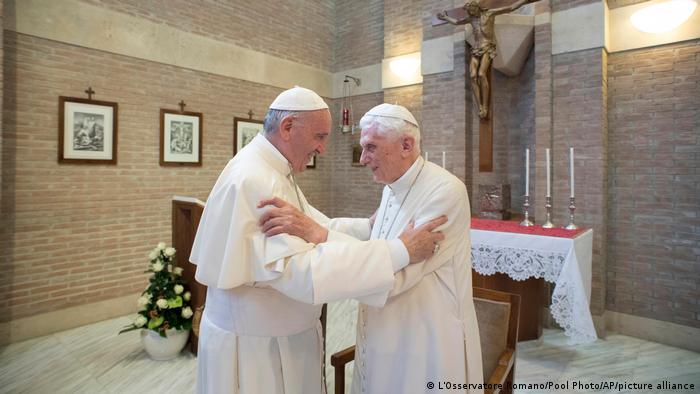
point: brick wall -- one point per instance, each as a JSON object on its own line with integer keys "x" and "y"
{"x": 579, "y": 120}
{"x": 403, "y": 27}
{"x": 543, "y": 113}
{"x": 301, "y": 31}
{"x": 560, "y": 5}
{"x": 353, "y": 191}
{"x": 359, "y": 36}
{"x": 75, "y": 234}
{"x": 654, "y": 181}
{"x": 520, "y": 131}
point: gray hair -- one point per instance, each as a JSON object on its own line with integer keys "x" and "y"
{"x": 274, "y": 118}
{"x": 392, "y": 127}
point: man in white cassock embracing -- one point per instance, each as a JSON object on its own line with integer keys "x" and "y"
{"x": 260, "y": 332}
{"x": 427, "y": 330}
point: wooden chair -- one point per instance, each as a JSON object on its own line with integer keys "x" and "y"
{"x": 497, "y": 313}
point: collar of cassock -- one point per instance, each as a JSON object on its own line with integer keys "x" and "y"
{"x": 272, "y": 155}
{"x": 404, "y": 182}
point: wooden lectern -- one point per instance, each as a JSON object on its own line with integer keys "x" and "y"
{"x": 185, "y": 219}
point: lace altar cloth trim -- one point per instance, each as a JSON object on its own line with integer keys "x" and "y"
{"x": 567, "y": 307}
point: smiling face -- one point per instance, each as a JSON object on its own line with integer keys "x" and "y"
{"x": 307, "y": 135}
{"x": 388, "y": 156}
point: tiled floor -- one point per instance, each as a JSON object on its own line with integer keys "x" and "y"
{"x": 93, "y": 359}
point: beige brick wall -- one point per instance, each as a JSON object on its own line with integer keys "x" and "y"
{"x": 654, "y": 181}
{"x": 560, "y": 5}
{"x": 353, "y": 191}
{"x": 359, "y": 36}
{"x": 75, "y": 234}
{"x": 301, "y": 31}
{"x": 580, "y": 120}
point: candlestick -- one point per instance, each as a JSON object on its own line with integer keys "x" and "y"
{"x": 526, "y": 211}
{"x": 572, "y": 208}
{"x": 443, "y": 159}
{"x": 426, "y": 155}
{"x": 571, "y": 169}
{"x": 527, "y": 172}
{"x": 549, "y": 187}
{"x": 548, "y": 213}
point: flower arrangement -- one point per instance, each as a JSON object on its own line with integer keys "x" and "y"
{"x": 164, "y": 303}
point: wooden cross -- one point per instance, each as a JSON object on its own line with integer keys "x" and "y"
{"x": 89, "y": 92}
{"x": 250, "y": 114}
{"x": 182, "y": 105}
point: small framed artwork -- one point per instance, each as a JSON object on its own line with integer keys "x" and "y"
{"x": 312, "y": 162}
{"x": 87, "y": 131}
{"x": 244, "y": 130}
{"x": 180, "y": 138}
{"x": 357, "y": 155}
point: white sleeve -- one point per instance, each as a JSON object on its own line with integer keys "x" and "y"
{"x": 335, "y": 271}
{"x": 356, "y": 227}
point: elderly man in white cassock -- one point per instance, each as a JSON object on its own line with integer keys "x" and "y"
{"x": 260, "y": 332}
{"x": 427, "y": 330}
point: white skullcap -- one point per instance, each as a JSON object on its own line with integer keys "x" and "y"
{"x": 298, "y": 99}
{"x": 393, "y": 111}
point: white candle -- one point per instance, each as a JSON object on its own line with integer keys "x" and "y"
{"x": 527, "y": 172}
{"x": 426, "y": 155}
{"x": 549, "y": 186}
{"x": 443, "y": 159}
{"x": 571, "y": 169}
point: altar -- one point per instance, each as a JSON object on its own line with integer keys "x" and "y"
{"x": 559, "y": 256}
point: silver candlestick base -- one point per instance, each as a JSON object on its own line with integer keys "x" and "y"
{"x": 572, "y": 208}
{"x": 526, "y": 210}
{"x": 548, "y": 213}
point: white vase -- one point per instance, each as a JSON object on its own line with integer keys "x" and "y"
{"x": 159, "y": 348}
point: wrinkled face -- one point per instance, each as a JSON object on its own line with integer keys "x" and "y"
{"x": 383, "y": 154}
{"x": 309, "y": 134}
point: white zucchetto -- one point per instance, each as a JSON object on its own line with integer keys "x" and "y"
{"x": 393, "y": 111}
{"x": 298, "y": 99}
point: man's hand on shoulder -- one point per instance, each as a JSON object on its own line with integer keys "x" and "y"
{"x": 282, "y": 217}
{"x": 422, "y": 242}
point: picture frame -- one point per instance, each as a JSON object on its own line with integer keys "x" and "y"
{"x": 356, "y": 155}
{"x": 244, "y": 130}
{"x": 87, "y": 131}
{"x": 312, "y": 162}
{"x": 181, "y": 138}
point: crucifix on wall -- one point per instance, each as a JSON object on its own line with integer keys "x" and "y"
{"x": 480, "y": 15}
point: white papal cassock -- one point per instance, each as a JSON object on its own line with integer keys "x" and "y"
{"x": 260, "y": 330}
{"x": 427, "y": 331}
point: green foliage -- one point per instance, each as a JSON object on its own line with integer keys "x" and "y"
{"x": 166, "y": 284}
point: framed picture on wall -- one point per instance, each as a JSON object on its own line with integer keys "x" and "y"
{"x": 180, "y": 138}
{"x": 244, "y": 130}
{"x": 87, "y": 131}
{"x": 356, "y": 155}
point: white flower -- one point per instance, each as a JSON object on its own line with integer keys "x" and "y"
{"x": 143, "y": 300}
{"x": 152, "y": 255}
{"x": 161, "y": 245}
{"x": 162, "y": 303}
{"x": 187, "y": 296}
{"x": 170, "y": 268}
{"x": 157, "y": 266}
{"x": 187, "y": 312}
{"x": 149, "y": 295}
{"x": 178, "y": 271}
{"x": 178, "y": 289}
{"x": 169, "y": 251}
{"x": 140, "y": 321}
